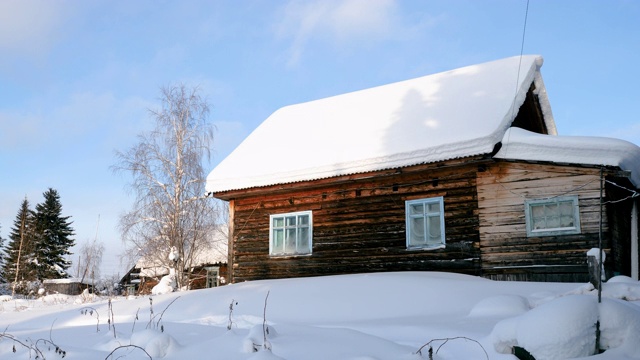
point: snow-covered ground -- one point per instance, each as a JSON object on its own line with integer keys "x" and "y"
{"x": 356, "y": 317}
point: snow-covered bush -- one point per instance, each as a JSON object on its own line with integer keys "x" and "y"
{"x": 166, "y": 285}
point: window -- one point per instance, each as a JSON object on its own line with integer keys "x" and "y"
{"x": 557, "y": 216}
{"x": 425, "y": 223}
{"x": 213, "y": 276}
{"x": 291, "y": 234}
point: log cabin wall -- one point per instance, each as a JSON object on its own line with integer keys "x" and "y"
{"x": 619, "y": 207}
{"x": 358, "y": 223}
{"x": 507, "y": 252}
{"x": 198, "y": 276}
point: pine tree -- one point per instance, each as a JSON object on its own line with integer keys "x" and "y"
{"x": 52, "y": 238}
{"x": 19, "y": 261}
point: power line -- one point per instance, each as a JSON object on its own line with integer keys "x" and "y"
{"x": 515, "y": 93}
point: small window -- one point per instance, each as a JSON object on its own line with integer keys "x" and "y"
{"x": 213, "y": 276}
{"x": 425, "y": 223}
{"x": 291, "y": 234}
{"x": 557, "y": 216}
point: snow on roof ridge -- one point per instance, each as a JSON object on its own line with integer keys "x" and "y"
{"x": 520, "y": 144}
{"x": 457, "y": 113}
{"x": 85, "y": 281}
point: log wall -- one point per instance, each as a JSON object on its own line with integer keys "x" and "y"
{"x": 507, "y": 252}
{"x": 358, "y": 224}
{"x": 619, "y": 211}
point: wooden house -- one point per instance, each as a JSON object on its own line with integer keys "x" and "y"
{"x": 461, "y": 171}
{"x": 209, "y": 269}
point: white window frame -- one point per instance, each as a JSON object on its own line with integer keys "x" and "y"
{"x": 212, "y": 278}
{"x": 300, "y": 249}
{"x": 552, "y": 231}
{"x": 441, "y": 243}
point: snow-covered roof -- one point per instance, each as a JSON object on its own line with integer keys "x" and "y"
{"x": 67, "y": 281}
{"x": 519, "y": 144}
{"x": 454, "y": 114}
{"x": 217, "y": 252}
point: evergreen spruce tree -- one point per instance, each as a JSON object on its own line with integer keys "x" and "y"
{"x": 2, "y": 256}
{"x": 53, "y": 240}
{"x": 19, "y": 260}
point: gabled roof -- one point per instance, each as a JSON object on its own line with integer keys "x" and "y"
{"x": 454, "y": 114}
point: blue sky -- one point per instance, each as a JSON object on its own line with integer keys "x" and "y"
{"x": 77, "y": 77}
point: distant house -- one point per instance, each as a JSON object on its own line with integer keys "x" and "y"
{"x": 460, "y": 171}
{"x": 209, "y": 270}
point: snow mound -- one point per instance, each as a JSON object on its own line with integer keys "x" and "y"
{"x": 58, "y": 299}
{"x": 265, "y": 355}
{"x": 565, "y": 328}
{"x": 255, "y": 340}
{"x": 501, "y": 305}
{"x": 620, "y": 327}
{"x": 155, "y": 343}
{"x": 622, "y": 279}
{"x": 622, "y": 289}
{"x": 562, "y": 329}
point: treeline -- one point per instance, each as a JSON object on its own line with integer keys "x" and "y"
{"x": 38, "y": 245}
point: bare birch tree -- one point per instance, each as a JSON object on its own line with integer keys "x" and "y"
{"x": 170, "y": 213}
{"x": 89, "y": 261}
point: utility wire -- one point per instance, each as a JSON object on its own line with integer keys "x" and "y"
{"x": 515, "y": 93}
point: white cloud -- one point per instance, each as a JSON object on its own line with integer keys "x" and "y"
{"x": 30, "y": 27}
{"x": 345, "y": 23}
{"x": 361, "y": 18}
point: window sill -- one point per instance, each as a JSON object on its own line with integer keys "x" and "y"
{"x": 285, "y": 256}
{"x": 553, "y": 232}
{"x": 426, "y": 248}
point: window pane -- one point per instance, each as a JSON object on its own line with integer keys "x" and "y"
{"x": 566, "y": 208}
{"x": 290, "y": 241}
{"x": 552, "y": 210}
{"x": 303, "y": 220}
{"x": 417, "y": 236}
{"x": 567, "y": 221}
{"x": 416, "y": 209}
{"x": 538, "y": 224}
{"x": 278, "y": 222}
{"x": 553, "y": 222}
{"x": 278, "y": 238}
{"x": 291, "y": 221}
{"x": 434, "y": 207}
{"x": 537, "y": 211}
{"x": 303, "y": 240}
{"x": 435, "y": 233}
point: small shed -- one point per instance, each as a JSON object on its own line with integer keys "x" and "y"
{"x": 459, "y": 171}
{"x": 69, "y": 286}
